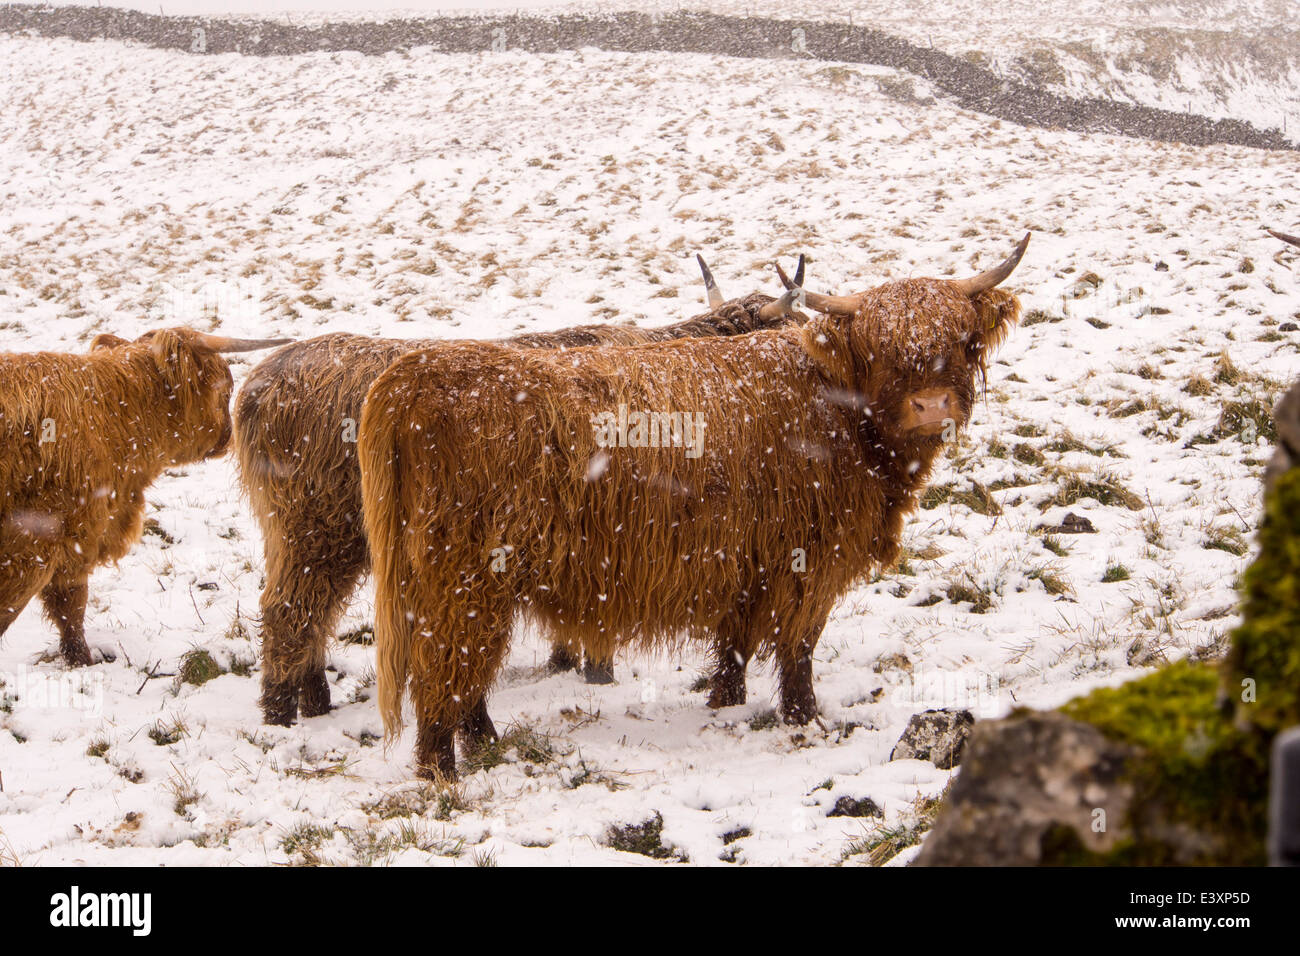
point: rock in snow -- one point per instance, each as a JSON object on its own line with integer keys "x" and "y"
{"x": 938, "y": 736}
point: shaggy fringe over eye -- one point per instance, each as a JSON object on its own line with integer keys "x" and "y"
{"x": 996, "y": 312}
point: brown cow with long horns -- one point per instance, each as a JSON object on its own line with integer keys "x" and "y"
{"x": 81, "y": 438}
{"x": 498, "y": 483}
{"x": 295, "y": 437}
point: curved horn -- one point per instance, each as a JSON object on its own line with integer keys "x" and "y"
{"x": 830, "y": 304}
{"x": 798, "y": 275}
{"x": 779, "y": 307}
{"x": 1294, "y": 240}
{"x": 222, "y": 343}
{"x": 710, "y": 287}
{"x": 987, "y": 280}
{"x": 846, "y": 305}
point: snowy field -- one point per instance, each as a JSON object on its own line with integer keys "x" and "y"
{"x": 1217, "y": 58}
{"x": 422, "y": 194}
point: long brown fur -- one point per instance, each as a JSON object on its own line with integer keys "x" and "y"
{"x": 471, "y": 451}
{"x": 81, "y": 438}
{"x": 295, "y": 426}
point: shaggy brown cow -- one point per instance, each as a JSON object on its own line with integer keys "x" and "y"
{"x": 81, "y": 438}
{"x": 498, "y": 483}
{"x": 1294, "y": 240}
{"x": 295, "y": 432}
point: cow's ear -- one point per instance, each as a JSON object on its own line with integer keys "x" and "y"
{"x": 996, "y": 311}
{"x": 106, "y": 340}
{"x": 174, "y": 354}
{"x": 826, "y": 339}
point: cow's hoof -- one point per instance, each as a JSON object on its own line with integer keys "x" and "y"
{"x": 76, "y": 656}
{"x": 279, "y": 708}
{"x": 598, "y": 672}
{"x": 725, "y": 697}
{"x": 314, "y": 696}
{"x": 798, "y": 713}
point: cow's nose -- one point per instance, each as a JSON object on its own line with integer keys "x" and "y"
{"x": 932, "y": 407}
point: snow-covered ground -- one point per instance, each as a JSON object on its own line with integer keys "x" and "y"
{"x": 476, "y": 195}
{"x": 1218, "y": 58}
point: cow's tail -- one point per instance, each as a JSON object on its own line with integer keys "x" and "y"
{"x": 380, "y": 488}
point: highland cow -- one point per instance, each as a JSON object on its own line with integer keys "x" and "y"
{"x": 491, "y": 491}
{"x": 296, "y": 423}
{"x": 81, "y": 438}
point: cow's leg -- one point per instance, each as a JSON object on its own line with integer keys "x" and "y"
{"x": 732, "y": 649}
{"x": 563, "y": 658}
{"x": 477, "y": 728}
{"x": 435, "y": 748}
{"x": 64, "y": 599}
{"x": 451, "y": 674}
{"x": 309, "y": 577}
{"x": 798, "y": 702}
{"x": 796, "y": 642}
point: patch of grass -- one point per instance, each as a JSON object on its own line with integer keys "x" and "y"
{"x": 764, "y": 720}
{"x": 585, "y": 776}
{"x": 969, "y": 591}
{"x": 1028, "y": 455}
{"x": 166, "y": 734}
{"x": 1225, "y": 538}
{"x": 1225, "y": 372}
{"x": 1198, "y": 386}
{"x": 1053, "y": 544}
{"x": 884, "y": 843}
{"x": 645, "y": 838}
{"x": 184, "y": 792}
{"x": 98, "y": 747}
{"x": 363, "y": 636}
{"x": 1102, "y": 487}
{"x": 1027, "y": 430}
{"x": 303, "y": 842}
{"x": 198, "y": 667}
{"x": 1115, "y": 573}
{"x": 731, "y": 836}
{"x": 1247, "y": 418}
{"x": 518, "y": 743}
{"x": 977, "y": 498}
{"x": 1052, "y": 580}
{"x": 1066, "y": 442}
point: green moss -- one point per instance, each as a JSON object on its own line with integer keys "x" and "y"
{"x": 198, "y": 667}
{"x": 1266, "y": 647}
{"x": 1202, "y": 734}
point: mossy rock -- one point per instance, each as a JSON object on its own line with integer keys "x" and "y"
{"x": 1191, "y": 742}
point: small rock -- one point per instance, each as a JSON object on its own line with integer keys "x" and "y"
{"x": 1162, "y": 266}
{"x": 1070, "y": 524}
{"x": 849, "y": 807}
{"x": 1288, "y": 327}
{"x": 938, "y": 736}
{"x": 206, "y": 585}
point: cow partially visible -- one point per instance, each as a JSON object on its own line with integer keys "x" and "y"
{"x": 296, "y": 422}
{"x": 500, "y": 483}
{"x": 81, "y": 438}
